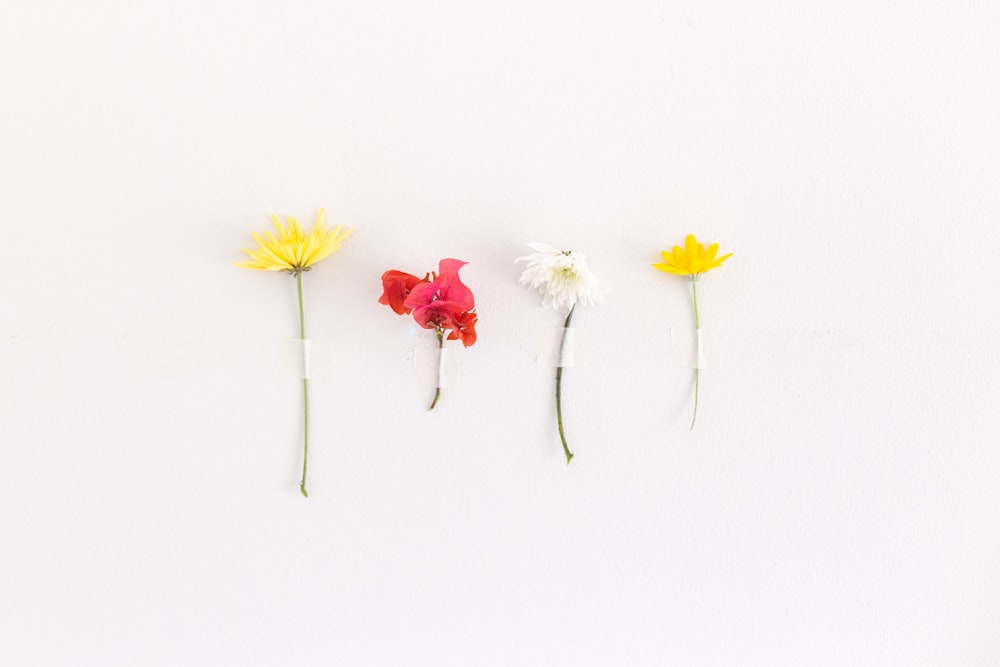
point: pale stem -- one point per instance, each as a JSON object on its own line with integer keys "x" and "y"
{"x": 305, "y": 389}
{"x": 697, "y": 325}
{"x": 562, "y": 344}
{"x": 440, "y": 371}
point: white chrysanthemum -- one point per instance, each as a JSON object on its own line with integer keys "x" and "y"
{"x": 561, "y": 276}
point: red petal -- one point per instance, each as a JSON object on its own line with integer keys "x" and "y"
{"x": 396, "y": 285}
{"x": 451, "y": 288}
{"x": 465, "y": 329}
{"x": 450, "y": 265}
{"x": 421, "y": 295}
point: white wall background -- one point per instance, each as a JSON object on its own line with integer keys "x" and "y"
{"x": 837, "y": 503}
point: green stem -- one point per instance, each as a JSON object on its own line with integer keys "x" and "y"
{"x": 697, "y": 325}
{"x": 562, "y": 344}
{"x": 305, "y": 390}
{"x": 437, "y": 390}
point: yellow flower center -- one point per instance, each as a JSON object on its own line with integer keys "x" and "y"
{"x": 566, "y": 267}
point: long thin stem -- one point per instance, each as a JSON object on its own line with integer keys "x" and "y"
{"x": 305, "y": 389}
{"x": 562, "y": 346}
{"x": 697, "y": 326}
{"x": 437, "y": 391}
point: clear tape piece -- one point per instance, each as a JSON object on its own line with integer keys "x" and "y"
{"x": 560, "y": 348}
{"x": 694, "y": 348}
{"x": 307, "y": 359}
{"x": 439, "y": 368}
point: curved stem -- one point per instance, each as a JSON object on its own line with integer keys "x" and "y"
{"x": 437, "y": 390}
{"x": 562, "y": 345}
{"x": 305, "y": 390}
{"x": 697, "y": 325}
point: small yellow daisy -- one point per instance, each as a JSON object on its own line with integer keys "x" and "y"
{"x": 692, "y": 259}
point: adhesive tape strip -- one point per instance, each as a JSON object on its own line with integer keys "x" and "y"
{"x": 560, "y": 348}
{"x": 437, "y": 365}
{"x": 694, "y": 348}
{"x": 304, "y": 359}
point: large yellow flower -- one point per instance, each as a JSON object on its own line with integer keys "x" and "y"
{"x": 692, "y": 259}
{"x": 292, "y": 251}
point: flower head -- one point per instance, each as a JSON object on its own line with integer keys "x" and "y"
{"x": 439, "y": 301}
{"x": 292, "y": 251}
{"x": 692, "y": 260}
{"x": 561, "y": 276}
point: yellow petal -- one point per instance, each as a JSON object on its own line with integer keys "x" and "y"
{"x": 691, "y": 247}
{"x": 669, "y": 259}
{"x": 294, "y": 231}
{"x": 717, "y": 263}
{"x": 670, "y": 269}
{"x": 680, "y": 256}
{"x": 278, "y": 226}
{"x": 710, "y": 254}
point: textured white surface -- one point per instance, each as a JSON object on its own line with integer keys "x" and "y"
{"x": 837, "y": 502}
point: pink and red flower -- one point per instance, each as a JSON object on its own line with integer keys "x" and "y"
{"x": 439, "y": 301}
